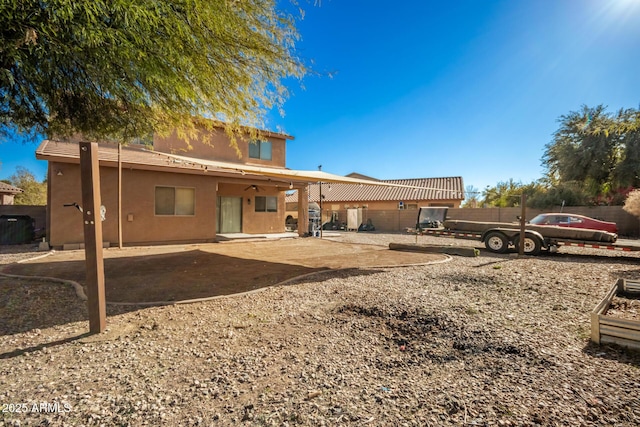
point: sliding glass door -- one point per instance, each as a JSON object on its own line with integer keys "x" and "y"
{"x": 229, "y": 215}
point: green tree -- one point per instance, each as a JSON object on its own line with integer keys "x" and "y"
{"x": 583, "y": 148}
{"x": 508, "y": 193}
{"x": 124, "y": 69}
{"x": 569, "y": 193}
{"x": 35, "y": 193}
{"x": 471, "y": 197}
{"x": 598, "y": 150}
{"x": 504, "y": 194}
{"x": 626, "y": 172}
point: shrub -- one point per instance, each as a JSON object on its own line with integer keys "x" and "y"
{"x": 632, "y": 204}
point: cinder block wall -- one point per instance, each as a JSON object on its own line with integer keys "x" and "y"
{"x": 398, "y": 220}
{"x": 628, "y": 225}
{"x": 390, "y": 220}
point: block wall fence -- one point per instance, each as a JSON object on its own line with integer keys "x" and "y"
{"x": 398, "y": 220}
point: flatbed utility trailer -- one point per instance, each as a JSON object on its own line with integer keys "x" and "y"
{"x": 499, "y": 237}
{"x": 494, "y": 240}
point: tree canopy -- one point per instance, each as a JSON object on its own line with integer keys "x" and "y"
{"x": 124, "y": 69}
{"x": 471, "y": 196}
{"x": 593, "y": 159}
{"x": 34, "y": 192}
{"x": 507, "y": 193}
{"x": 598, "y": 150}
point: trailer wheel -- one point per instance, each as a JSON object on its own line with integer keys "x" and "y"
{"x": 496, "y": 242}
{"x": 532, "y": 245}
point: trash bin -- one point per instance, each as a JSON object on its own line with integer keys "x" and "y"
{"x": 16, "y": 229}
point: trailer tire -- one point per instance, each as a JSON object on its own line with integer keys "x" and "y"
{"x": 496, "y": 242}
{"x": 532, "y": 245}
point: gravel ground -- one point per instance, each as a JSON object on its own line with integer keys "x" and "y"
{"x": 491, "y": 340}
{"x": 15, "y": 253}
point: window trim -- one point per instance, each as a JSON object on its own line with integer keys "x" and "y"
{"x": 266, "y": 204}
{"x": 258, "y": 143}
{"x": 175, "y": 187}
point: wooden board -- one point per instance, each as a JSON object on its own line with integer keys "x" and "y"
{"x": 613, "y": 330}
{"x": 451, "y": 250}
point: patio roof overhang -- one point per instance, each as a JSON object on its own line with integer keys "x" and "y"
{"x": 291, "y": 175}
{"x": 142, "y": 158}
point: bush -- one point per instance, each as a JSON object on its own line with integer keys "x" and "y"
{"x": 632, "y": 204}
{"x": 563, "y": 194}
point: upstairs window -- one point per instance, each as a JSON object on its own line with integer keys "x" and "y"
{"x": 260, "y": 150}
{"x": 175, "y": 201}
{"x": 266, "y": 204}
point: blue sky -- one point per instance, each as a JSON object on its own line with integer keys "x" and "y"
{"x": 421, "y": 88}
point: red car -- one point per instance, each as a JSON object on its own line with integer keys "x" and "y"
{"x": 574, "y": 221}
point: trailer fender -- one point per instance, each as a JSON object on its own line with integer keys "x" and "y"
{"x": 531, "y": 233}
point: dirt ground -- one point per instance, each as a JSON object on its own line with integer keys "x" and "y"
{"x": 183, "y": 272}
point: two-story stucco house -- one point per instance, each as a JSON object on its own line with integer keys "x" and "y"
{"x": 175, "y": 192}
{"x": 179, "y": 192}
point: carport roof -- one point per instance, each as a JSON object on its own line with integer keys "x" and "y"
{"x": 417, "y": 189}
{"x": 319, "y": 176}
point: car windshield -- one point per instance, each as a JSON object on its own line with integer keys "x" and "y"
{"x": 542, "y": 220}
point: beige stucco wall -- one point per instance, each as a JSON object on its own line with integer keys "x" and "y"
{"x": 256, "y": 222}
{"x": 218, "y": 147}
{"x": 139, "y": 222}
{"x": 6, "y": 199}
{"x": 140, "y": 225}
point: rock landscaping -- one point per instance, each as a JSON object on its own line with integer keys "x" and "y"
{"x": 485, "y": 341}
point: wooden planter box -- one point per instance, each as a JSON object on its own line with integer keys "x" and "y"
{"x": 607, "y": 329}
